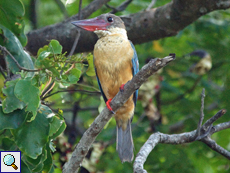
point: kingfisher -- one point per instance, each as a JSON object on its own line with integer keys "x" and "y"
{"x": 115, "y": 62}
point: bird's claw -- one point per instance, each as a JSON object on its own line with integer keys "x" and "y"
{"x": 122, "y": 87}
{"x": 108, "y": 106}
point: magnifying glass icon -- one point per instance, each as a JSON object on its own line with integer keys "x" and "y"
{"x": 9, "y": 160}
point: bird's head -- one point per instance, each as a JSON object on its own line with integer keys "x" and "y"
{"x": 102, "y": 25}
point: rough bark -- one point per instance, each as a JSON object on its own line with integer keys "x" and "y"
{"x": 142, "y": 27}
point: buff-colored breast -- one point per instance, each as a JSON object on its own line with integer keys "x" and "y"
{"x": 113, "y": 61}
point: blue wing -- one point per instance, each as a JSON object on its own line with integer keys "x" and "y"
{"x": 135, "y": 69}
{"x": 99, "y": 84}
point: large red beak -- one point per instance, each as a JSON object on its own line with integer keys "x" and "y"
{"x": 91, "y": 24}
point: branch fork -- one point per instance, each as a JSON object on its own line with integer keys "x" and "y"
{"x": 202, "y": 133}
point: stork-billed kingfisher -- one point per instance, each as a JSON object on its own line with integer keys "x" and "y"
{"x": 115, "y": 62}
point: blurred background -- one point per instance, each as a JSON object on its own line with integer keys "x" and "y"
{"x": 168, "y": 102}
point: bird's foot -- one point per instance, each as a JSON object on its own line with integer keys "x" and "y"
{"x": 108, "y": 106}
{"x": 122, "y": 87}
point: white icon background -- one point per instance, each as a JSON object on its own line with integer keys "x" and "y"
{"x": 17, "y": 157}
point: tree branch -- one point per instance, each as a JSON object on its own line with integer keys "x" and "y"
{"x": 72, "y": 90}
{"x": 64, "y": 31}
{"x": 201, "y": 113}
{"x": 2, "y": 48}
{"x": 62, "y": 8}
{"x": 96, "y": 127}
{"x": 182, "y": 138}
{"x": 122, "y": 7}
{"x": 151, "y": 4}
{"x": 154, "y": 24}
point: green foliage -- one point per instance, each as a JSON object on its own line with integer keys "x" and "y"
{"x": 25, "y": 123}
{"x": 57, "y": 66}
{"x": 13, "y": 45}
{"x": 24, "y": 90}
{"x": 90, "y": 71}
{"x": 12, "y": 120}
{"x": 34, "y": 140}
{"x": 11, "y": 102}
{"x": 23, "y": 114}
{"x": 11, "y": 13}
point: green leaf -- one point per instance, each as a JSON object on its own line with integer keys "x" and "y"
{"x": 12, "y": 120}
{"x": 29, "y": 94}
{"x": 59, "y": 131}
{"x": 42, "y": 49}
{"x": 55, "y": 126}
{"x": 74, "y": 75}
{"x": 24, "y": 168}
{"x": 12, "y": 44}
{"x": 55, "y": 72}
{"x": 90, "y": 71}
{"x": 56, "y": 170}
{"x": 78, "y": 66}
{"x": 55, "y": 47}
{"x": 36, "y": 165}
{"x": 11, "y": 13}
{"x": 11, "y": 102}
{"x": 40, "y": 60}
{"x": 32, "y": 136}
{"x": 65, "y": 83}
{"x": 7, "y": 144}
{"x": 48, "y": 162}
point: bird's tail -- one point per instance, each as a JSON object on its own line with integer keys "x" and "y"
{"x": 125, "y": 143}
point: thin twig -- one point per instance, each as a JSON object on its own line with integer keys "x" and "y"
{"x": 151, "y": 4}
{"x": 182, "y": 138}
{"x": 214, "y": 146}
{"x": 50, "y": 79}
{"x": 122, "y": 7}
{"x": 78, "y": 31}
{"x": 221, "y": 126}
{"x": 62, "y": 8}
{"x": 75, "y": 90}
{"x": 175, "y": 139}
{"x": 201, "y": 112}
{"x": 70, "y": 54}
{"x": 214, "y": 118}
{"x": 79, "y": 11}
{"x": 53, "y": 84}
{"x": 2, "y": 72}
{"x": 87, "y": 86}
{"x": 75, "y": 42}
{"x": 16, "y": 62}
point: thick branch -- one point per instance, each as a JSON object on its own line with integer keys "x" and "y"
{"x": 144, "y": 26}
{"x": 64, "y": 32}
{"x": 90, "y": 135}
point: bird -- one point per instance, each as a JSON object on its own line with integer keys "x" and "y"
{"x": 115, "y": 63}
{"x": 204, "y": 64}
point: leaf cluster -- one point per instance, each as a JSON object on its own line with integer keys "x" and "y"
{"x": 26, "y": 123}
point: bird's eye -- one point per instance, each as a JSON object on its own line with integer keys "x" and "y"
{"x": 110, "y": 19}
